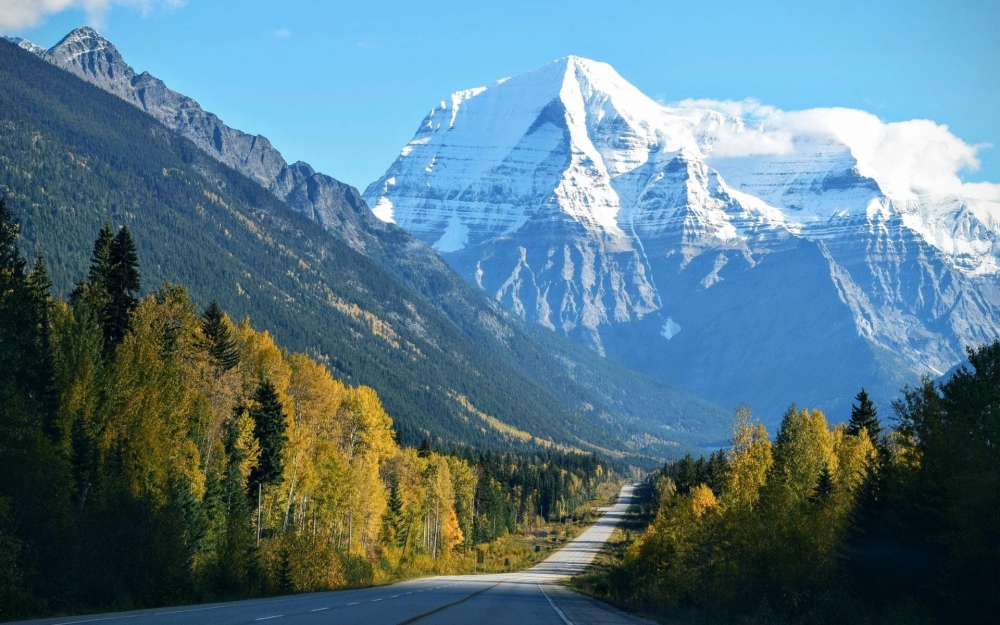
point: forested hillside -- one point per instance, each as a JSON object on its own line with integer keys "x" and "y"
{"x": 851, "y": 523}
{"x": 227, "y": 238}
{"x": 153, "y": 453}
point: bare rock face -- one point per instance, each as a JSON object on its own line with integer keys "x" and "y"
{"x": 583, "y": 205}
{"x": 338, "y": 207}
{"x": 90, "y": 56}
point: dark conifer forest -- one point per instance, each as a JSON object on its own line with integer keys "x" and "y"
{"x": 855, "y": 523}
{"x": 153, "y": 455}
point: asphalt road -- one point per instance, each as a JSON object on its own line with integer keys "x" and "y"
{"x": 530, "y": 597}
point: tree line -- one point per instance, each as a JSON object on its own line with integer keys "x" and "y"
{"x": 847, "y": 523}
{"x": 152, "y": 453}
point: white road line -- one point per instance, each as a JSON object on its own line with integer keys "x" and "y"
{"x": 106, "y": 618}
{"x": 410, "y": 593}
{"x": 267, "y": 618}
{"x": 319, "y": 609}
{"x": 374, "y": 600}
{"x": 554, "y": 606}
{"x": 214, "y": 607}
{"x": 354, "y": 603}
{"x": 393, "y": 597}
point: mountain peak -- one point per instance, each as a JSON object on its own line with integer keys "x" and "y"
{"x": 86, "y": 53}
{"x": 83, "y": 34}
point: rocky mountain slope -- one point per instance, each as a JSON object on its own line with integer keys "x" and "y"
{"x": 648, "y": 234}
{"x": 644, "y": 414}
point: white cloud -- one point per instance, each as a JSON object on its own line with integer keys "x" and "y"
{"x": 281, "y": 33}
{"x": 17, "y": 14}
{"x": 903, "y": 157}
{"x": 748, "y": 108}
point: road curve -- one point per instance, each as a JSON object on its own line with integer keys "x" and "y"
{"x": 530, "y": 597}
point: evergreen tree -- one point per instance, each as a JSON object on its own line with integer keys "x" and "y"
{"x": 393, "y": 518}
{"x": 716, "y": 471}
{"x": 13, "y": 319}
{"x": 269, "y": 428}
{"x": 865, "y": 415}
{"x": 687, "y": 475}
{"x": 824, "y": 487}
{"x": 40, "y": 294}
{"x": 425, "y": 447}
{"x": 122, "y": 284}
{"x": 221, "y": 345}
{"x": 19, "y": 329}
{"x": 100, "y": 258}
{"x": 286, "y": 584}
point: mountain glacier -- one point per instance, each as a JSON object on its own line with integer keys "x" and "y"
{"x": 700, "y": 247}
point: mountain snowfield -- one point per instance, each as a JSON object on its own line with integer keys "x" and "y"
{"x": 768, "y": 257}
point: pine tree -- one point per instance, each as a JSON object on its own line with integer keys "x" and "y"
{"x": 824, "y": 487}
{"x": 40, "y": 294}
{"x": 716, "y": 471}
{"x": 286, "y": 584}
{"x": 687, "y": 475}
{"x": 21, "y": 358}
{"x": 14, "y": 321}
{"x": 100, "y": 258}
{"x": 393, "y": 517}
{"x": 269, "y": 428}
{"x": 221, "y": 345}
{"x": 424, "y": 450}
{"x": 122, "y": 284}
{"x": 865, "y": 415}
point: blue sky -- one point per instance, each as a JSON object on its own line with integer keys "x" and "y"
{"x": 343, "y": 85}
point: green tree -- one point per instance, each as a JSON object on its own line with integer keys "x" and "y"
{"x": 221, "y": 344}
{"x": 100, "y": 258}
{"x": 122, "y": 285}
{"x": 824, "y": 488}
{"x": 954, "y": 431}
{"x": 40, "y": 296}
{"x": 424, "y": 450}
{"x": 269, "y": 428}
{"x": 865, "y": 416}
{"x": 394, "y": 516}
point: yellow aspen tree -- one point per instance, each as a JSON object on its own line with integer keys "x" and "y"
{"x": 750, "y": 458}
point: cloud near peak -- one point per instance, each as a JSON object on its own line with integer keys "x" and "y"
{"x": 18, "y": 14}
{"x": 918, "y": 155}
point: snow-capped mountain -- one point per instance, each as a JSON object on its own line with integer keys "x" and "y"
{"x": 595, "y": 388}
{"x": 701, "y": 247}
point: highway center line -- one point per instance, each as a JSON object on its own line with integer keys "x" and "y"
{"x": 267, "y": 618}
{"x": 420, "y": 617}
{"x": 319, "y": 609}
{"x": 106, "y": 618}
{"x": 214, "y": 607}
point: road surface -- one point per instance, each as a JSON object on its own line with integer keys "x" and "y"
{"x": 530, "y": 597}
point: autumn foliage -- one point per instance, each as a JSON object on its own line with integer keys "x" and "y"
{"x": 152, "y": 454}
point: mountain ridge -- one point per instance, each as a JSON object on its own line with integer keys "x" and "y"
{"x": 602, "y": 384}
{"x": 583, "y": 205}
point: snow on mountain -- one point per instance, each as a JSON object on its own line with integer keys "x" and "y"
{"x": 750, "y": 259}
